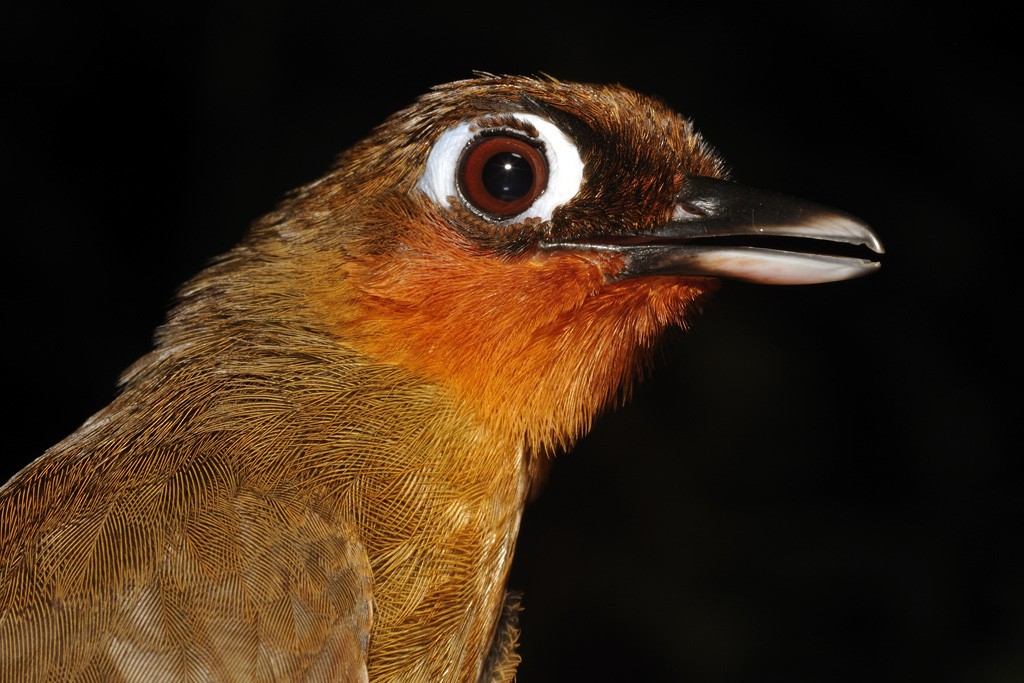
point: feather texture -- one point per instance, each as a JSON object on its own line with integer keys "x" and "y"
{"x": 318, "y": 472}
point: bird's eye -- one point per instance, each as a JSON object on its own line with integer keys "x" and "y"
{"x": 502, "y": 175}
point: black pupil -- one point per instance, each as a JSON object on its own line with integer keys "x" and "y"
{"x": 507, "y": 176}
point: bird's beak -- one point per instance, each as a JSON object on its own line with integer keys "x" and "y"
{"x": 723, "y": 229}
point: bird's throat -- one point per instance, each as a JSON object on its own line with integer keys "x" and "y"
{"x": 536, "y": 345}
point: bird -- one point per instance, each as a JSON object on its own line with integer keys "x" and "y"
{"x": 318, "y": 472}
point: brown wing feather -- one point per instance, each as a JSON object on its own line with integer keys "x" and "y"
{"x": 186, "y": 575}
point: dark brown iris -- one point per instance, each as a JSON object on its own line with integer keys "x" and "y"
{"x": 501, "y": 175}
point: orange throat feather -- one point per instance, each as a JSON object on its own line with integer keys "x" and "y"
{"x": 537, "y": 343}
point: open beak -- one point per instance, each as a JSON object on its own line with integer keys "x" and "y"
{"x": 723, "y": 229}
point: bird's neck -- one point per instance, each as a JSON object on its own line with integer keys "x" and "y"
{"x": 434, "y": 494}
{"x": 409, "y": 397}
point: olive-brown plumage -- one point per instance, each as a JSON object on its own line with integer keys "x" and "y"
{"x": 318, "y": 472}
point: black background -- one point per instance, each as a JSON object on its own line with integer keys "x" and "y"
{"x": 815, "y": 484}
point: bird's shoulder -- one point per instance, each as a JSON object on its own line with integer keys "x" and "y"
{"x": 173, "y": 561}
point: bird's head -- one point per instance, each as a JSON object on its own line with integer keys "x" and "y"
{"x": 523, "y": 243}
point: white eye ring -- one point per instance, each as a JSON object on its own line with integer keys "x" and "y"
{"x": 565, "y": 168}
